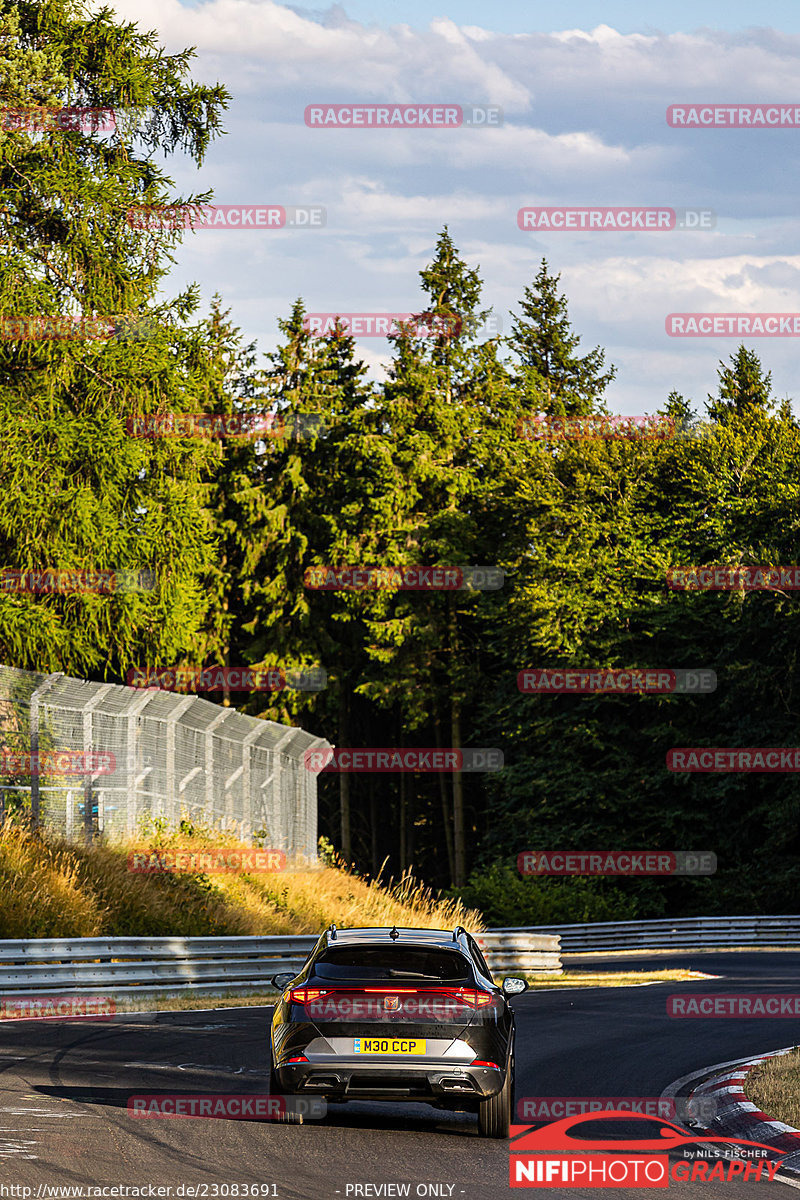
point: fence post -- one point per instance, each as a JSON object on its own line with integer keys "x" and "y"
{"x": 284, "y": 842}
{"x": 36, "y": 696}
{"x": 88, "y": 746}
{"x": 221, "y": 716}
{"x": 170, "y": 772}
{"x": 247, "y": 822}
{"x": 131, "y": 775}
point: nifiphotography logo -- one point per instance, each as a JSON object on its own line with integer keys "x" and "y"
{"x": 555, "y": 1156}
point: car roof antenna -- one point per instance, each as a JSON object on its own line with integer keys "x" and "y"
{"x": 332, "y": 931}
{"x": 394, "y": 933}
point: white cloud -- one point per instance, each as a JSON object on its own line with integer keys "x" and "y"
{"x": 584, "y": 124}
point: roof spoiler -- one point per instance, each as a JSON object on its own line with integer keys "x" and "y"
{"x": 458, "y": 929}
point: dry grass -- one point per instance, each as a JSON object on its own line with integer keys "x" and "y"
{"x": 611, "y": 978}
{"x": 774, "y": 1087}
{"x": 132, "y": 1004}
{"x": 49, "y": 888}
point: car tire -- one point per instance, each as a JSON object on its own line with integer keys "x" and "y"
{"x": 496, "y": 1112}
{"x": 275, "y": 1089}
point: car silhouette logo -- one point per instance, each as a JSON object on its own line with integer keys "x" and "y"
{"x": 391, "y": 1003}
{"x": 558, "y": 1135}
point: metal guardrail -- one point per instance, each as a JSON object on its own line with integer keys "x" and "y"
{"x": 695, "y": 933}
{"x": 524, "y": 951}
{"x": 146, "y": 966}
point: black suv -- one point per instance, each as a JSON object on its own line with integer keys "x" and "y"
{"x": 398, "y": 1014}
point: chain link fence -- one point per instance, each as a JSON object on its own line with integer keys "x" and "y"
{"x": 87, "y": 758}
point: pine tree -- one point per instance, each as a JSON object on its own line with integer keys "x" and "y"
{"x": 744, "y": 389}
{"x": 551, "y": 377}
{"x": 76, "y": 490}
{"x": 441, "y": 406}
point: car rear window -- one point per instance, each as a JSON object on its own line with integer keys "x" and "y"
{"x": 393, "y": 962}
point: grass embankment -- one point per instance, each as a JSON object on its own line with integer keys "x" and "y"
{"x": 49, "y": 888}
{"x": 774, "y": 1087}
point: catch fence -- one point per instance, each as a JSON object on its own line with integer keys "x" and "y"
{"x": 85, "y": 758}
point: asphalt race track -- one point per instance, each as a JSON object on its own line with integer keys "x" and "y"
{"x": 65, "y": 1086}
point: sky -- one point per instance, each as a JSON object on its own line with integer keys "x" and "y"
{"x": 579, "y": 92}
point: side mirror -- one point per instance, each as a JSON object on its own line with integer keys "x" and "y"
{"x": 512, "y": 986}
{"x": 283, "y": 979}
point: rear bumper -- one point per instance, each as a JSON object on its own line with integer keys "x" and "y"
{"x": 347, "y": 1079}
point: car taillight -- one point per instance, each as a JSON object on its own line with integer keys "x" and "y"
{"x": 300, "y": 1058}
{"x": 471, "y": 996}
{"x": 306, "y": 995}
{"x": 479, "y": 1062}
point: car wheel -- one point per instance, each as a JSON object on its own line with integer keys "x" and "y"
{"x": 275, "y": 1089}
{"x": 495, "y": 1113}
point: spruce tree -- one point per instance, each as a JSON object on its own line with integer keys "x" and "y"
{"x": 76, "y": 490}
{"x": 551, "y": 376}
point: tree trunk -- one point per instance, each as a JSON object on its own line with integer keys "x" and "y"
{"x": 344, "y": 778}
{"x": 373, "y": 826}
{"x": 403, "y": 806}
{"x": 447, "y": 824}
{"x": 459, "y": 846}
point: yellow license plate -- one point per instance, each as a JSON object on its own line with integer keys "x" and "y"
{"x": 389, "y": 1045}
